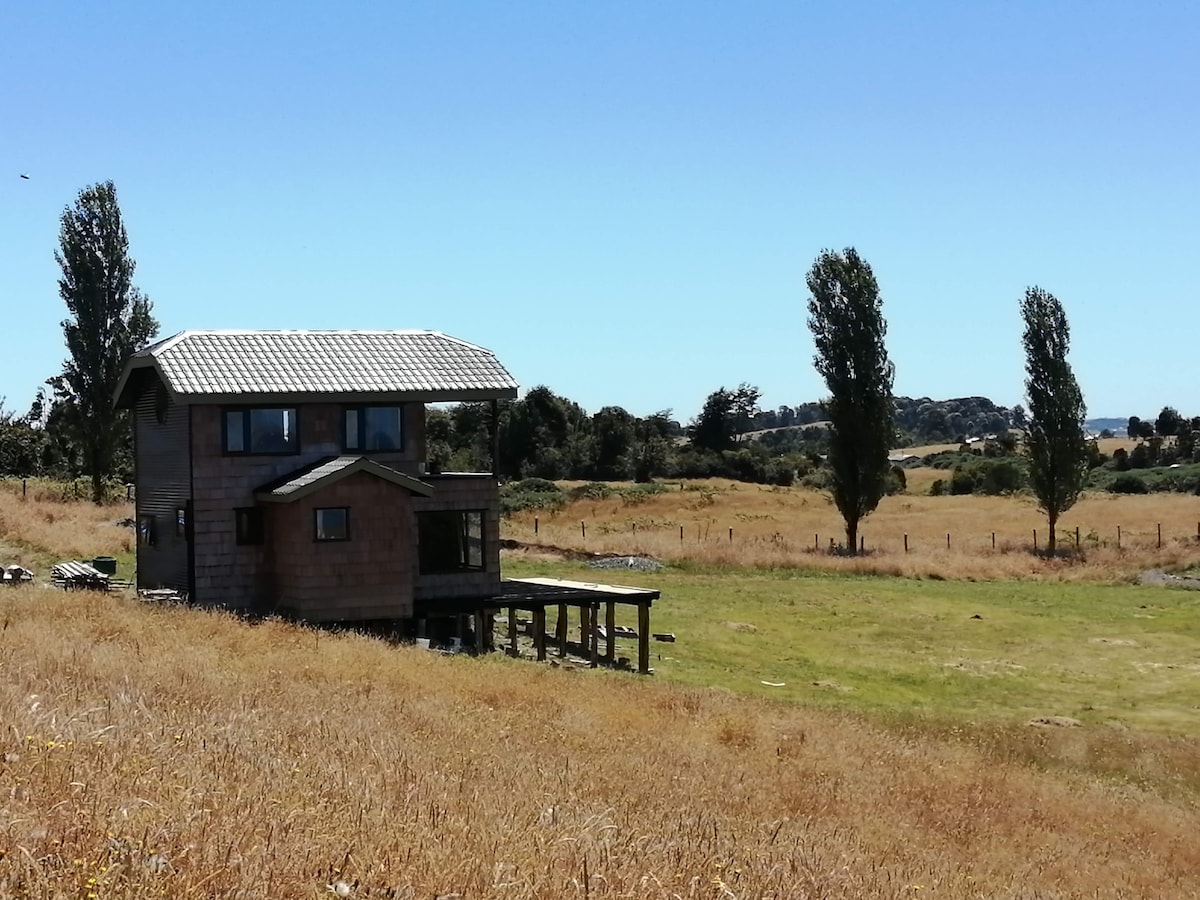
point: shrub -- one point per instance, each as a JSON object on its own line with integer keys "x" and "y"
{"x": 531, "y": 493}
{"x": 1128, "y": 484}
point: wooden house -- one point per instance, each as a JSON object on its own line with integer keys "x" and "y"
{"x": 285, "y": 471}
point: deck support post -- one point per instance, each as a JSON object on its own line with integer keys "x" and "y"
{"x": 539, "y": 632}
{"x": 584, "y": 615}
{"x": 480, "y": 629}
{"x": 644, "y": 638}
{"x": 460, "y": 628}
{"x": 610, "y": 626}
{"x": 512, "y": 631}
{"x": 560, "y": 630}
{"x": 593, "y": 637}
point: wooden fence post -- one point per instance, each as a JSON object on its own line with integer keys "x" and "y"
{"x": 1076, "y": 537}
{"x": 1035, "y": 539}
{"x": 947, "y": 540}
{"x": 993, "y": 540}
{"x": 906, "y": 542}
{"x": 1118, "y": 537}
{"x": 681, "y": 534}
{"x": 535, "y": 526}
{"x": 862, "y": 543}
{"x": 1160, "y": 535}
{"x": 731, "y": 535}
{"x": 816, "y": 541}
{"x": 582, "y": 530}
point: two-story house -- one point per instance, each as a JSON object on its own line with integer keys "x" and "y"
{"x": 285, "y": 471}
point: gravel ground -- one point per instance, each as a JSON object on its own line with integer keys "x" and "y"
{"x": 639, "y": 563}
{"x": 1158, "y": 576}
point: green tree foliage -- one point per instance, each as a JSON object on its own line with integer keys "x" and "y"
{"x": 1169, "y": 422}
{"x": 108, "y": 320}
{"x": 846, "y": 319}
{"x": 1056, "y": 443}
{"x": 725, "y": 415}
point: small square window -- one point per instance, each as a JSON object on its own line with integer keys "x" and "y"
{"x": 145, "y": 531}
{"x": 181, "y": 522}
{"x": 332, "y": 524}
{"x": 248, "y": 525}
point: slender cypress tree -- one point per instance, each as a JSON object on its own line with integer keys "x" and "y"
{"x": 1055, "y": 441}
{"x": 846, "y": 319}
{"x": 108, "y": 321}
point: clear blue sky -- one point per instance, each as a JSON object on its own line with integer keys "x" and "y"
{"x": 622, "y": 199}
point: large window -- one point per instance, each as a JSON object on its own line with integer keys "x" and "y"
{"x": 332, "y": 524}
{"x": 267, "y": 431}
{"x": 450, "y": 541}
{"x": 375, "y": 428}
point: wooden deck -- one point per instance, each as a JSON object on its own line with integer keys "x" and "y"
{"x": 534, "y": 595}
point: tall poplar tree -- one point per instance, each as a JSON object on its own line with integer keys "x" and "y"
{"x": 846, "y": 319}
{"x": 1055, "y": 440}
{"x": 108, "y": 320}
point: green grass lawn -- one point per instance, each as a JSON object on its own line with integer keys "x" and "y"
{"x": 934, "y": 651}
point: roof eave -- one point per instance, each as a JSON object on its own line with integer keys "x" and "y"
{"x": 430, "y": 396}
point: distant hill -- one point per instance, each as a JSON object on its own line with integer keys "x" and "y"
{"x": 919, "y": 420}
{"x": 1116, "y": 426}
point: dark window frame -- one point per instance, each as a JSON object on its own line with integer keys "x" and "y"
{"x": 246, "y": 411}
{"x": 249, "y": 526}
{"x": 431, "y": 561}
{"x": 360, "y": 410}
{"x": 345, "y": 510}
{"x": 181, "y": 522}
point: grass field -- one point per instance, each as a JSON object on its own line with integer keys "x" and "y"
{"x": 162, "y": 751}
{"x": 792, "y": 528}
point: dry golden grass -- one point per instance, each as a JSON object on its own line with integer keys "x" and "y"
{"x": 793, "y": 527}
{"x": 167, "y": 752}
{"x": 45, "y": 523}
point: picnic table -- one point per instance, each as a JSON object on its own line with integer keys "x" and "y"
{"x": 14, "y": 575}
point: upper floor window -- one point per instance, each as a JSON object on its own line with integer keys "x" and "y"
{"x": 261, "y": 431}
{"x": 375, "y": 428}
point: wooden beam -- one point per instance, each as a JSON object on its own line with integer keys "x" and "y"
{"x": 512, "y": 631}
{"x": 480, "y": 625}
{"x": 644, "y": 638}
{"x": 539, "y": 632}
{"x": 560, "y": 630}
{"x": 593, "y": 643}
{"x": 610, "y": 626}
{"x": 494, "y": 429}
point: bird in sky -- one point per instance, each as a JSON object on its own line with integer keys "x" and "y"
{"x": 23, "y": 175}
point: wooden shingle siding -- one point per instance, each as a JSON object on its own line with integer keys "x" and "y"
{"x": 369, "y": 576}
{"x": 163, "y": 482}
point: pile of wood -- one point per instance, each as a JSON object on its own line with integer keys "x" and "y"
{"x": 77, "y": 576}
{"x": 15, "y": 575}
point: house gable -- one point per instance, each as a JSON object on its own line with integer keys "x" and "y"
{"x": 324, "y": 473}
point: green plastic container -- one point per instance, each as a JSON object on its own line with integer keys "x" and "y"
{"x": 105, "y": 564}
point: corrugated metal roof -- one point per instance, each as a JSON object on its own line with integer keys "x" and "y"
{"x": 231, "y": 363}
{"x": 313, "y": 477}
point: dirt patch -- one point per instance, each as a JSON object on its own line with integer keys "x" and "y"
{"x": 1054, "y": 722}
{"x": 985, "y": 668}
{"x": 742, "y": 626}
{"x": 829, "y": 684}
{"x": 1113, "y": 642}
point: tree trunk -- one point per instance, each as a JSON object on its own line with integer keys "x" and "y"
{"x": 852, "y": 536}
{"x": 1053, "y": 517}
